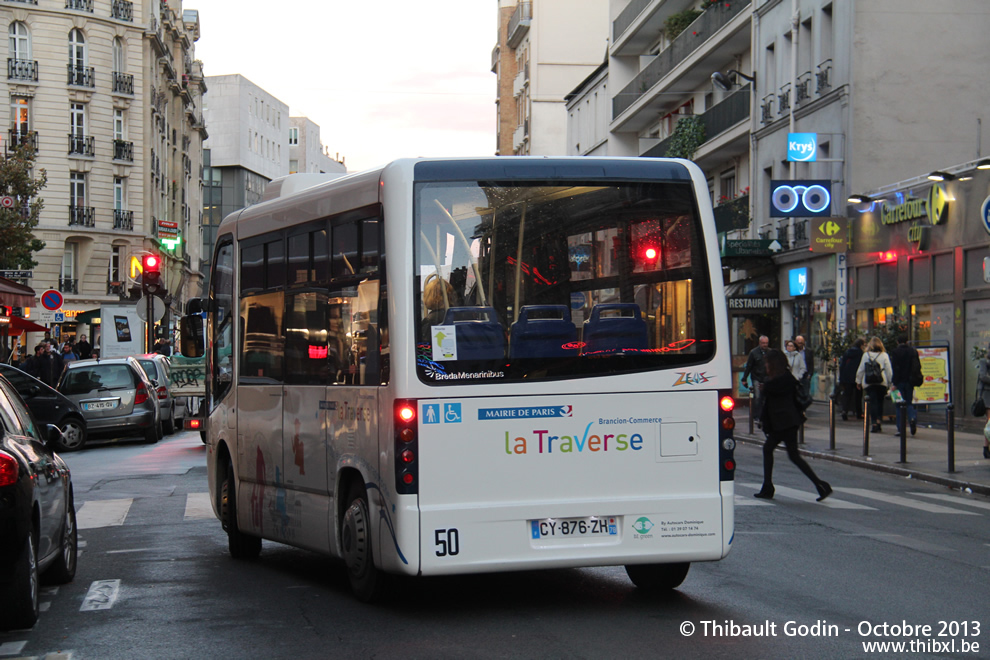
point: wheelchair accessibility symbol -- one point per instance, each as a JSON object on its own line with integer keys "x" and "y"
{"x": 452, "y": 413}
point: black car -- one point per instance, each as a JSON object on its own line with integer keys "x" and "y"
{"x": 37, "y": 514}
{"x": 49, "y": 407}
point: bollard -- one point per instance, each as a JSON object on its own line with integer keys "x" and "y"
{"x": 866, "y": 426}
{"x": 902, "y": 416}
{"x": 751, "y": 409}
{"x": 950, "y": 422}
{"x": 831, "y": 421}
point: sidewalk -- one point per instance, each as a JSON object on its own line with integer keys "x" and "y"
{"x": 927, "y": 452}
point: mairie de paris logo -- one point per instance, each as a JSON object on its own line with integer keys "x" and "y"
{"x": 938, "y": 204}
{"x": 643, "y": 525}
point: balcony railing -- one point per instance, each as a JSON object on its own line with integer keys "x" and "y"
{"x": 82, "y": 216}
{"x": 82, "y": 145}
{"x": 116, "y": 288}
{"x": 824, "y": 84}
{"x": 122, "y": 10}
{"x": 22, "y": 69}
{"x": 686, "y": 43}
{"x": 26, "y": 139}
{"x": 68, "y": 285}
{"x": 81, "y": 76}
{"x": 123, "y": 219}
{"x": 123, "y": 150}
{"x": 80, "y": 5}
{"x": 804, "y": 87}
{"x": 519, "y": 23}
{"x": 784, "y": 99}
{"x": 26, "y": 2}
{"x": 732, "y": 215}
{"x": 627, "y": 17}
{"x": 717, "y": 119}
{"x": 766, "y": 109}
{"x": 123, "y": 83}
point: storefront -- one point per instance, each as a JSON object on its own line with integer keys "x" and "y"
{"x": 754, "y": 310}
{"x": 918, "y": 254}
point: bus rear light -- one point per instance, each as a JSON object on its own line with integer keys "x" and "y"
{"x": 8, "y": 470}
{"x": 406, "y": 447}
{"x": 728, "y": 423}
{"x": 727, "y": 403}
{"x": 730, "y": 465}
{"x": 194, "y": 424}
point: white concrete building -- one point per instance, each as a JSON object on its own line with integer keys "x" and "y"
{"x": 544, "y": 49}
{"x": 306, "y": 150}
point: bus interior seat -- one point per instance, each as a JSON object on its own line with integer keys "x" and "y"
{"x": 542, "y": 331}
{"x": 479, "y": 334}
{"x": 615, "y": 327}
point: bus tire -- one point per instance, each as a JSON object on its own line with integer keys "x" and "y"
{"x": 367, "y": 582}
{"x": 241, "y": 545}
{"x": 658, "y": 576}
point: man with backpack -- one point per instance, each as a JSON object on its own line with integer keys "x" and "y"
{"x": 756, "y": 372}
{"x": 906, "y": 366}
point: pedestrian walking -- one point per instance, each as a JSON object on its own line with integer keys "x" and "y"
{"x": 67, "y": 354}
{"x": 984, "y": 377}
{"x": 84, "y": 349}
{"x": 905, "y": 367}
{"x": 873, "y": 377}
{"x": 756, "y": 372}
{"x": 795, "y": 360}
{"x": 781, "y": 420}
{"x": 852, "y": 400}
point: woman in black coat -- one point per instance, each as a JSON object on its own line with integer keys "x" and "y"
{"x": 781, "y": 421}
{"x": 852, "y": 401}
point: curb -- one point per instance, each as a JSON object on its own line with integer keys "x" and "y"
{"x": 956, "y": 484}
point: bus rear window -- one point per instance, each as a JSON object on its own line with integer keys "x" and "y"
{"x": 530, "y": 281}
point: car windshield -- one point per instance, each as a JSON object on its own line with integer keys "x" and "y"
{"x": 149, "y": 368}
{"x": 97, "y": 378}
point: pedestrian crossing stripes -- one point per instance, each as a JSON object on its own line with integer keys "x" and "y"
{"x": 839, "y": 501}
{"x": 93, "y": 514}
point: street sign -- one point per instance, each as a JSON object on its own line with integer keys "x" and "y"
{"x": 746, "y": 248}
{"x": 829, "y": 235}
{"x": 17, "y": 274}
{"x": 45, "y": 316}
{"x": 52, "y": 300}
{"x": 59, "y": 317}
{"x": 7, "y": 202}
{"x": 158, "y": 310}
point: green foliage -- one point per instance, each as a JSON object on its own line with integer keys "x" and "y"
{"x": 834, "y": 345}
{"x": 677, "y": 23}
{"x": 17, "y": 242}
{"x": 689, "y": 134}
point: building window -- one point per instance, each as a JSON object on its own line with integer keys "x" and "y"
{"x": 20, "y": 41}
{"x": 20, "y": 116}
{"x": 944, "y": 270}
{"x": 68, "y": 273}
{"x": 77, "y": 189}
{"x": 77, "y": 49}
{"x": 293, "y": 166}
{"x": 293, "y": 136}
{"x": 119, "y": 62}
{"x": 119, "y": 193}
{"x": 118, "y": 124}
{"x": 77, "y": 119}
{"x": 113, "y": 275}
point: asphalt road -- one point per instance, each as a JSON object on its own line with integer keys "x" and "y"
{"x": 155, "y": 581}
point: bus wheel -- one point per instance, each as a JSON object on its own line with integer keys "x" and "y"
{"x": 658, "y": 576}
{"x": 241, "y": 545}
{"x": 367, "y": 582}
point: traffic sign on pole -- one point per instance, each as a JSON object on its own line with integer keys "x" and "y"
{"x": 52, "y": 300}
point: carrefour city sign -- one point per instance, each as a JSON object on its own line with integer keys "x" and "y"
{"x": 935, "y": 207}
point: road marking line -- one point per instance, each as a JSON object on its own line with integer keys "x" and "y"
{"x": 955, "y": 500}
{"x": 101, "y": 595}
{"x": 903, "y": 501}
{"x": 906, "y": 542}
{"x": 10, "y": 648}
{"x": 742, "y": 501}
{"x": 124, "y": 552}
{"x": 102, "y": 513}
{"x": 198, "y": 506}
{"x": 805, "y": 496}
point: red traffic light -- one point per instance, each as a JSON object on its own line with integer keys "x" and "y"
{"x": 151, "y": 273}
{"x": 151, "y": 263}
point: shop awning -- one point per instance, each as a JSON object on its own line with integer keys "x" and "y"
{"x": 16, "y": 325}
{"x": 88, "y": 317}
{"x": 15, "y": 295}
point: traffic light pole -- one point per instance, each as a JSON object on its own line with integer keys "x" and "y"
{"x": 151, "y": 322}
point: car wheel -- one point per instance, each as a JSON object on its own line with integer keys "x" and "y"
{"x": 367, "y": 582}
{"x": 168, "y": 424}
{"x": 73, "y": 436}
{"x": 658, "y": 577}
{"x": 241, "y": 545}
{"x": 19, "y": 599}
{"x": 151, "y": 434}
{"x": 64, "y": 567}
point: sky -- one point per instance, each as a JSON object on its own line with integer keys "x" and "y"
{"x": 384, "y": 79}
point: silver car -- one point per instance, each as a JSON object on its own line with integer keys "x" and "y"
{"x": 115, "y": 396}
{"x": 158, "y": 369}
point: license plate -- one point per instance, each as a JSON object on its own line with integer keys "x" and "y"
{"x": 100, "y": 405}
{"x": 574, "y": 527}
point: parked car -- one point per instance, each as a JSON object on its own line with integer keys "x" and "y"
{"x": 115, "y": 396}
{"x": 158, "y": 369}
{"x": 49, "y": 407}
{"x": 38, "y": 538}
